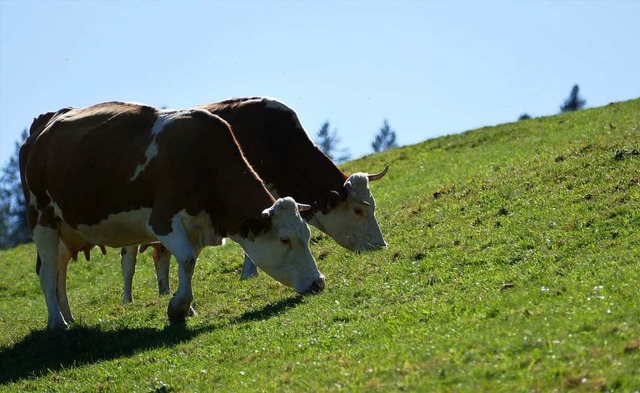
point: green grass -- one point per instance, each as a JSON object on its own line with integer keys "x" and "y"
{"x": 513, "y": 265}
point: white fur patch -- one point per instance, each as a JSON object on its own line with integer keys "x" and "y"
{"x": 32, "y": 197}
{"x": 56, "y": 209}
{"x": 152, "y": 150}
{"x": 177, "y": 241}
{"x": 199, "y": 229}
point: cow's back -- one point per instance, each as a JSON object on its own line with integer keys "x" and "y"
{"x": 277, "y": 146}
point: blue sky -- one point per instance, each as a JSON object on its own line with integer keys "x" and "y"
{"x": 431, "y": 68}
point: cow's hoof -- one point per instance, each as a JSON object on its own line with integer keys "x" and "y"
{"x": 57, "y": 323}
{"x": 59, "y": 327}
{"x": 177, "y": 309}
{"x": 163, "y": 288}
{"x": 248, "y": 273}
{"x": 191, "y": 312}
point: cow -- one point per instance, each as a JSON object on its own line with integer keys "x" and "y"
{"x": 277, "y": 146}
{"x": 118, "y": 174}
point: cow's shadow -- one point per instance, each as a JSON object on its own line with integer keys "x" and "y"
{"x": 43, "y": 351}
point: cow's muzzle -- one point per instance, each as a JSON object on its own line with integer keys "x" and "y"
{"x": 317, "y": 285}
{"x": 372, "y": 247}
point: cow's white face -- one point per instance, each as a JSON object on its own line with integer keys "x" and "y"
{"x": 352, "y": 222}
{"x": 283, "y": 252}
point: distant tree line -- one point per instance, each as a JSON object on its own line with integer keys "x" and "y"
{"x": 328, "y": 142}
{"x": 572, "y": 103}
{"x": 13, "y": 207}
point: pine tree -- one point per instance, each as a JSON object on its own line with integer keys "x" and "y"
{"x": 14, "y": 228}
{"x": 574, "y": 102}
{"x": 386, "y": 139}
{"x": 328, "y": 142}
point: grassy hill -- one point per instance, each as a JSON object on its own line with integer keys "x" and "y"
{"x": 513, "y": 265}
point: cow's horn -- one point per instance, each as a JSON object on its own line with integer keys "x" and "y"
{"x": 303, "y": 207}
{"x": 379, "y": 175}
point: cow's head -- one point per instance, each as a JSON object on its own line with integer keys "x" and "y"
{"x": 282, "y": 249}
{"x": 351, "y": 221}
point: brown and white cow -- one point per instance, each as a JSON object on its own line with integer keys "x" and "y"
{"x": 277, "y": 146}
{"x": 118, "y": 174}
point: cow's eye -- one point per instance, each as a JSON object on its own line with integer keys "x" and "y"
{"x": 358, "y": 211}
{"x": 285, "y": 241}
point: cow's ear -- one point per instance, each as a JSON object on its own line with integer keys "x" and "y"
{"x": 333, "y": 200}
{"x": 268, "y": 212}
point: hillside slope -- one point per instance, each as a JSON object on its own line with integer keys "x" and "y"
{"x": 513, "y": 264}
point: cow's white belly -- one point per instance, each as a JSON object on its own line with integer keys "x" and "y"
{"x": 119, "y": 229}
{"x": 128, "y": 228}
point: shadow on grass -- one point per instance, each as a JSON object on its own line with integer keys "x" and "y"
{"x": 43, "y": 351}
{"x": 270, "y": 310}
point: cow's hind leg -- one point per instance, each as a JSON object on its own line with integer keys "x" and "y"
{"x": 63, "y": 301}
{"x": 46, "y": 240}
{"x": 161, "y": 259}
{"x": 128, "y": 264}
{"x": 177, "y": 242}
{"x": 249, "y": 268}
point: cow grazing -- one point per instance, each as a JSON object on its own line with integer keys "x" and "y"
{"x": 279, "y": 149}
{"x": 119, "y": 174}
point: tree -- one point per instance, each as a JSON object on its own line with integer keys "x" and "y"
{"x": 574, "y": 102}
{"x": 524, "y": 116}
{"x": 386, "y": 138}
{"x": 14, "y": 228}
{"x": 328, "y": 142}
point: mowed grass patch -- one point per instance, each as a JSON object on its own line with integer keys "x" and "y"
{"x": 512, "y": 266}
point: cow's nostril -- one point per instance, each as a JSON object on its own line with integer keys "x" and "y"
{"x": 372, "y": 247}
{"x": 317, "y": 285}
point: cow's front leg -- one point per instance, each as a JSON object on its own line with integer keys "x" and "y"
{"x": 177, "y": 242}
{"x": 249, "y": 268}
{"x": 46, "y": 240}
{"x": 128, "y": 263}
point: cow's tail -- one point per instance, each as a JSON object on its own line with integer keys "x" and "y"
{"x": 39, "y": 124}
{"x": 23, "y": 155}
